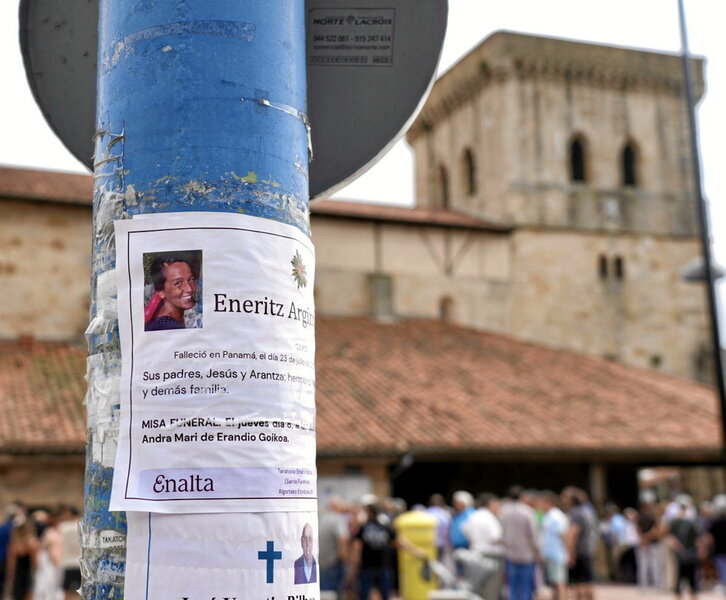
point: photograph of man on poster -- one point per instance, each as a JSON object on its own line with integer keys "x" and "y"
{"x": 172, "y": 291}
{"x": 306, "y": 567}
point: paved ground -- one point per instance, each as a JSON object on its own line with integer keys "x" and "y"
{"x": 631, "y": 592}
{"x": 628, "y": 592}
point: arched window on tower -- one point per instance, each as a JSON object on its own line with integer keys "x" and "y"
{"x": 577, "y": 159}
{"x": 629, "y": 165}
{"x": 469, "y": 172}
{"x": 442, "y": 187}
{"x": 603, "y": 266}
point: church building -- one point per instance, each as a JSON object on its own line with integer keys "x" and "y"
{"x": 526, "y": 321}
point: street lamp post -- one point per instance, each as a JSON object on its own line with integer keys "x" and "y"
{"x": 705, "y": 227}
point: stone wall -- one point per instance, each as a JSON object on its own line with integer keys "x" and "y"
{"x": 375, "y": 470}
{"x": 44, "y": 480}
{"x": 568, "y": 292}
{"x": 45, "y": 257}
{"x": 464, "y": 272}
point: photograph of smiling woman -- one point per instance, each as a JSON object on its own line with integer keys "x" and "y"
{"x": 174, "y": 293}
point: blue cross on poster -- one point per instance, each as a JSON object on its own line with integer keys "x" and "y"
{"x": 270, "y": 555}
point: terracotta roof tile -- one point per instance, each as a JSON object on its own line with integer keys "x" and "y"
{"x": 41, "y": 397}
{"x": 420, "y": 386}
{"x": 50, "y": 186}
{"x": 402, "y": 214}
{"x": 427, "y": 386}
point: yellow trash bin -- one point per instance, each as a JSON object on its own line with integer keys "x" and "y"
{"x": 415, "y": 528}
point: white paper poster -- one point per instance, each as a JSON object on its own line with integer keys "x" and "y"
{"x": 216, "y": 320}
{"x": 232, "y": 556}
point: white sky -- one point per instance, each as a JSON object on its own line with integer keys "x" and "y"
{"x": 25, "y": 139}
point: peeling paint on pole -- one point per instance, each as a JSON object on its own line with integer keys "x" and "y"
{"x": 173, "y": 135}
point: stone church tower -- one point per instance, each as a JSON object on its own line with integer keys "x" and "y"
{"x": 583, "y": 150}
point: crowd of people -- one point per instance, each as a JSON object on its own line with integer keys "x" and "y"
{"x": 523, "y": 546}
{"x": 667, "y": 545}
{"x": 40, "y": 553}
{"x": 529, "y": 544}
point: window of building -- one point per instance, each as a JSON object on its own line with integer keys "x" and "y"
{"x": 603, "y": 266}
{"x": 629, "y": 171}
{"x": 442, "y": 184}
{"x": 577, "y": 159}
{"x": 446, "y": 308}
{"x": 469, "y": 172}
{"x": 619, "y": 267}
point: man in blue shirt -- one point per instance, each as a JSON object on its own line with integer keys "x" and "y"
{"x": 464, "y": 505}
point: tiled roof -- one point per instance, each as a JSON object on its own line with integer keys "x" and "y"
{"x": 41, "y": 394}
{"x": 50, "y": 186}
{"x": 431, "y": 387}
{"x": 402, "y": 214}
{"x": 421, "y": 386}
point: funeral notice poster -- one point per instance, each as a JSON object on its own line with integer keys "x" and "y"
{"x": 233, "y": 556}
{"x": 216, "y": 326}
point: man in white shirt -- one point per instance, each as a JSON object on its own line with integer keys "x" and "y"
{"x": 484, "y": 532}
{"x": 554, "y": 526}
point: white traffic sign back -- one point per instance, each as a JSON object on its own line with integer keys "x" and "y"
{"x": 370, "y": 65}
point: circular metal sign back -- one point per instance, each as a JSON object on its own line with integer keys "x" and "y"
{"x": 370, "y": 65}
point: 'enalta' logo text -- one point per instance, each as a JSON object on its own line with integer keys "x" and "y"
{"x": 193, "y": 483}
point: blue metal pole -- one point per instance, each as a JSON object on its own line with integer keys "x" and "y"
{"x": 201, "y": 107}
